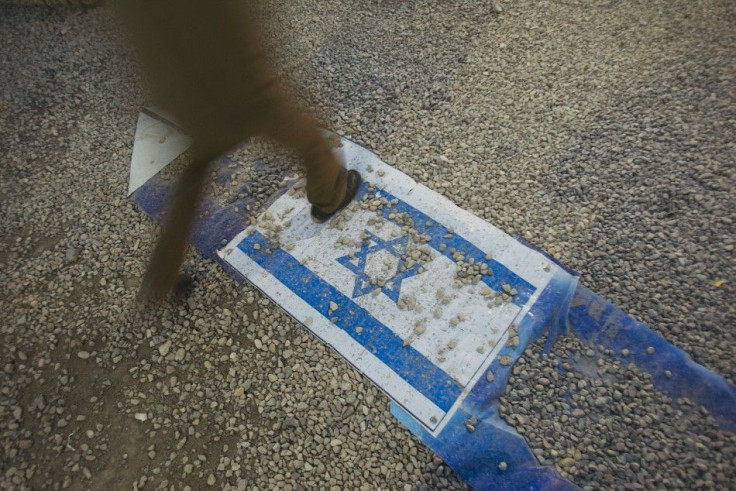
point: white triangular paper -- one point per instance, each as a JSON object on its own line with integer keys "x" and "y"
{"x": 156, "y": 145}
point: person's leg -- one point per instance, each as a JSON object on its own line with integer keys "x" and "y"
{"x": 326, "y": 178}
{"x": 162, "y": 273}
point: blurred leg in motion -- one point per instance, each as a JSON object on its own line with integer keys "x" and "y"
{"x": 162, "y": 274}
{"x": 207, "y": 67}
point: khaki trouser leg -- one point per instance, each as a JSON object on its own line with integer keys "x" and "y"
{"x": 207, "y": 66}
{"x": 326, "y": 178}
{"x": 162, "y": 272}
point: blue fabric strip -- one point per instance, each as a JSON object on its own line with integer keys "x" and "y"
{"x": 599, "y": 322}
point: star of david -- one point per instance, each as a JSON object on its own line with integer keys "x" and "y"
{"x": 373, "y": 244}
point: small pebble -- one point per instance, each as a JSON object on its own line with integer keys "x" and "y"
{"x": 505, "y": 360}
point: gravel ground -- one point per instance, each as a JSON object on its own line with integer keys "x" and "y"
{"x": 604, "y": 425}
{"x": 616, "y": 117}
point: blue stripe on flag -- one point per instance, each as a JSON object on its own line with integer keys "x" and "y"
{"x": 382, "y": 342}
{"x": 439, "y": 234}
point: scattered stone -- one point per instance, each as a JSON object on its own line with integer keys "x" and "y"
{"x": 618, "y": 405}
{"x": 164, "y": 348}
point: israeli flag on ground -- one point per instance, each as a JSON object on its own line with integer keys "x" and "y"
{"x": 415, "y": 292}
{"x": 428, "y": 301}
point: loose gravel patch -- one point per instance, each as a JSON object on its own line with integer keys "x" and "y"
{"x": 602, "y": 423}
{"x": 601, "y": 131}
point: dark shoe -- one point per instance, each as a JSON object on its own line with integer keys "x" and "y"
{"x": 184, "y": 287}
{"x": 353, "y": 183}
{"x": 153, "y": 293}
